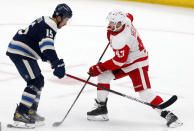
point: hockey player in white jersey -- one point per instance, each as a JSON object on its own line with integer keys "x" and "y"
{"x": 131, "y": 59}
{"x": 27, "y": 46}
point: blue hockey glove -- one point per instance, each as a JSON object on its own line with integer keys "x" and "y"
{"x": 59, "y": 68}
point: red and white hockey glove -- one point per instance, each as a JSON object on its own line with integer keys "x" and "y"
{"x": 96, "y": 70}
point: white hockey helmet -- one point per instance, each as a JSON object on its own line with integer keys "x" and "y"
{"x": 115, "y": 17}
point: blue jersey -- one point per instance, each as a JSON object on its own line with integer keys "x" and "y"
{"x": 36, "y": 41}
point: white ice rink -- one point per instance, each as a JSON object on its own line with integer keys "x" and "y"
{"x": 167, "y": 33}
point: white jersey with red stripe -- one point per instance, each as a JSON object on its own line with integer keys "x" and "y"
{"x": 128, "y": 47}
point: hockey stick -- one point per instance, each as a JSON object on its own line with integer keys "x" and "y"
{"x": 55, "y": 124}
{"x": 161, "y": 106}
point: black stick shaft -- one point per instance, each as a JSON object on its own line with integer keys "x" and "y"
{"x": 162, "y": 106}
{"x": 109, "y": 90}
{"x": 83, "y": 86}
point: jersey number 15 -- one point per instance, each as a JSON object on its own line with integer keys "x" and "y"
{"x": 49, "y": 33}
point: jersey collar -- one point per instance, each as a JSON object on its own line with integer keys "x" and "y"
{"x": 51, "y": 23}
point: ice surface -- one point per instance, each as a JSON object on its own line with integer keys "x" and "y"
{"x": 167, "y": 33}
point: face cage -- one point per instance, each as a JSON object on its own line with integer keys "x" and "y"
{"x": 115, "y": 24}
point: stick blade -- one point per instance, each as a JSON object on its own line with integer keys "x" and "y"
{"x": 56, "y": 124}
{"x": 168, "y": 103}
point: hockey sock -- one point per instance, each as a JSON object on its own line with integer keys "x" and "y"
{"x": 36, "y": 101}
{"x": 149, "y": 96}
{"x": 156, "y": 101}
{"x": 28, "y": 98}
{"x": 102, "y": 94}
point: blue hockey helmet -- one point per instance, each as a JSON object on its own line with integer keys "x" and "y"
{"x": 62, "y": 10}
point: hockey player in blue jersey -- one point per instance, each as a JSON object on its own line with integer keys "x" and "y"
{"x": 27, "y": 46}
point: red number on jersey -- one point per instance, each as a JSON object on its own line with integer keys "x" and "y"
{"x": 141, "y": 47}
{"x": 120, "y": 53}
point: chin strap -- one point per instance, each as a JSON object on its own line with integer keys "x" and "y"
{"x": 58, "y": 23}
{"x": 62, "y": 18}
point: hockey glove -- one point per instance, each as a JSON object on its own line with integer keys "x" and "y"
{"x": 96, "y": 70}
{"x": 59, "y": 68}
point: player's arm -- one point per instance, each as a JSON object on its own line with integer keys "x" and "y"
{"x": 121, "y": 54}
{"x": 46, "y": 44}
{"x": 48, "y": 50}
{"x": 116, "y": 62}
{"x": 49, "y": 54}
